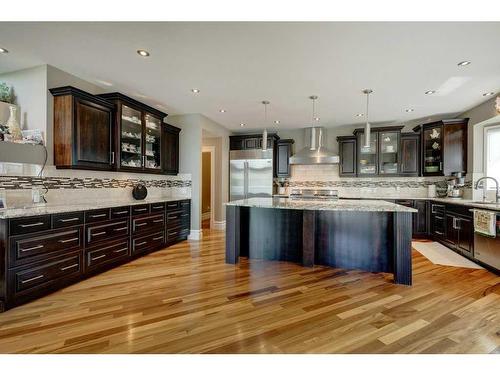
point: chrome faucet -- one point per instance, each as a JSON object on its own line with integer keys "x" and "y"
{"x": 497, "y": 196}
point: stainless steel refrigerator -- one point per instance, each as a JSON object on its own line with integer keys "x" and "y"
{"x": 250, "y": 174}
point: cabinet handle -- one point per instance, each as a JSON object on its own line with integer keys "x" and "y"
{"x": 458, "y": 223}
{"x": 69, "y": 240}
{"x": 112, "y": 157}
{"x": 438, "y": 232}
{"x": 31, "y": 225}
{"x": 440, "y": 165}
{"x": 121, "y": 250}
{"x": 119, "y": 229}
{"x": 439, "y": 217}
{"x": 68, "y": 220}
{"x": 158, "y": 221}
{"x": 172, "y": 233}
{"x": 96, "y": 216}
{"x": 69, "y": 267}
{"x": 140, "y": 224}
{"x": 121, "y": 212}
{"x": 32, "y": 248}
{"x": 141, "y": 243}
{"x": 32, "y": 279}
{"x": 155, "y": 207}
{"x": 140, "y": 209}
{"x": 157, "y": 238}
{"x": 98, "y": 234}
{"x": 99, "y": 257}
{"x": 143, "y": 161}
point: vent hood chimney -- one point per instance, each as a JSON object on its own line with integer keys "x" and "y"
{"x": 314, "y": 152}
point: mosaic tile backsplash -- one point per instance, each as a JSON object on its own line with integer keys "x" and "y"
{"x": 27, "y": 182}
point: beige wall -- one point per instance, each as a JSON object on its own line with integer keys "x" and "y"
{"x": 206, "y": 181}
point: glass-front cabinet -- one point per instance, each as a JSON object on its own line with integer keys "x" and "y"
{"x": 433, "y": 150}
{"x": 139, "y": 134}
{"x": 389, "y": 152}
{"x": 367, "y": 156}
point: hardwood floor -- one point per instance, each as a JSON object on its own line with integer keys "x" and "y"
{"x": 185, "y": 299}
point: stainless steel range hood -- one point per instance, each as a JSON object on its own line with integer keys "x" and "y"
{"x": 314, "y": 152}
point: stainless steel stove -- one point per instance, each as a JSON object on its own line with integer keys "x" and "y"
{"x": 314, "y": 194}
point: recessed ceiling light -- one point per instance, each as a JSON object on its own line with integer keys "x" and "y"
{"x": 410, "y": 110}
{"x": 463, "y": 63}
{"x": 277, "y": 121}
{"x": 488, "y": 93}
{"x": 360, "y": 115}
{"x": 195, "y": 91}
{"x": 105, "y": 83}
{"x": 316, "y": 119}
{"x": 143, "y": 52}
{"x": 3, "y": 50}
{"x": 430, "y": 92}
{"x": 222, "y": 110}
{"x": 242, "y": 124}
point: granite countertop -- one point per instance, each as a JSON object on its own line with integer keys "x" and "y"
{"x": 50, "y": 208}
{"x": 316, "y": 205}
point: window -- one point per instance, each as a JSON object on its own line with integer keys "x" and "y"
{"x": 492, "y": 153}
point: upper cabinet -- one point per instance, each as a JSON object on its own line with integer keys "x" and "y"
{"x": 444, "y": 147}
{"x": 83, "y": 130}
{"x": 347, "y": 154}
{"x": 410, "y": 154}
{"x": 251, "y": 141}
{"x": 283, "y": 153}
{"x": 138, "y": 134}
{"x": 112, "y": 132}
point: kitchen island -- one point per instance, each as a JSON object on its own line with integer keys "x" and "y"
{"x": 368, "y": 235}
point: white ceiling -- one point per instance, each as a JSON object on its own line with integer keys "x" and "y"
{"x": 237, "y": 65}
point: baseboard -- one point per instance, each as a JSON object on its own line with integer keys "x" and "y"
{"x": 195, "y": 235}
{"x": 219, "y": 225}
{"x": 205, "y": 216}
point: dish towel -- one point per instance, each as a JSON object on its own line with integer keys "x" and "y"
{"x": 485, "y": 223}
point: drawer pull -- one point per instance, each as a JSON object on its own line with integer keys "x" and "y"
{"x": 69, "y": 240}
{"x": 31, "y": 225}
{"x": 121, "y": 212}
{"x": 99, "y": 257}
{"x": 69, "y": 267}
{"x": 155, "y": 207}
{"x": 140, "y": 209}
{"x": 32, "y": 248}
{"x": 158, "y": 221}
{"x": 121, "y": 250}
{"x": 119, "y": 229}
{"x": 438, "y": 232}
{"x": 141, "y": 243}
{"x": 96, "y": 216}
{"x": 98, "y": 233}
{"x": 68, "y": 220}
{"x": 184, "y": 215}
{"x": 140, "y": 224}
{"x": 157, "y": 238}
{"x": 32, "y": 279}
{"x": 172, "y": 233}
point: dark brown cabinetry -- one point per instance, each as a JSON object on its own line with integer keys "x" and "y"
{"x": 170, "y": 149}
{"x": 83, "y": 130}
{"x": 347, "y": 154}
{"x": 283, "y": 153}
{"x": 40, "y": 254}
{"x": 390, "y": 153}
{"x": 251, "y": 141}
{"x": 444, "y": 147}
{"x": 419, "y": 219}
{"x": 438, "y": 221}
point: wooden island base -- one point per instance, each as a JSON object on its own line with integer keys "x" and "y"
{"x": 363, "y": 240}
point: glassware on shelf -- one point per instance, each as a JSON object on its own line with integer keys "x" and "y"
{"x": 432, "y": 150}
{"x": 131, "y": 138}
{"x": 389, "y": 152}
{"x": 152, "y": 137}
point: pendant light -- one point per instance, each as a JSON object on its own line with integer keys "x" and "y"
{"x": 367, "y": 92}
{"x": 313, "y": 128}
{"x": 264, "y": 133}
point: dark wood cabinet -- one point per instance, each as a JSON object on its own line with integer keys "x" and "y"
{"x": 419, "y": 219}
{"x": 170, "y": 149}
{"x": 347, "y": 154}
{"x": 83, "y": 130}
{"x": 410, "y": 154}
{"x": 251, "y": 141}
{"x": 444, "y": 147}
{"x": 283, "y": 153}
{"x": 438, "y": 221}
{"x": 460, "y": 230}
{"x": 40, "y": 254}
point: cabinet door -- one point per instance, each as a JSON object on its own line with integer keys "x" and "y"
{"x": 131, "y": 134}
{"x": 283, "y": 165}
{"x": 420, "y": 218}
{"x": 433, "y": 151}
{"x": 93, "y": 130}
{"x": 451, "y": 236}
{"x": 347, "y": 151}
{"x": 367, "y": 156}
{"x": 388, "y": 153}
{"x": 465, "y": 235}
{"x": 170, "y": 150}
{"x": 410, "y": 154}
{"x": 152, "y": 143}
{"x": 253, "y": 143}
{"x": 455, "y": 148}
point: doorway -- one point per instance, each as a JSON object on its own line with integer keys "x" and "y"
{"x": 207, "y": 187}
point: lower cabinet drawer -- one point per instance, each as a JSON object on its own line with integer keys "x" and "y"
{"x": 147, "y": 223}
{"x": 177, "y": 234}
{"x": 106, "y": 231}
{"x": 107, "y": 253}
{"x": 178, "y": 218}
{"x": 149, "y": 242}
{"x": 34, "y": 247}
{"x": 30, "y": 224}
{"x": 51, "y": 273}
